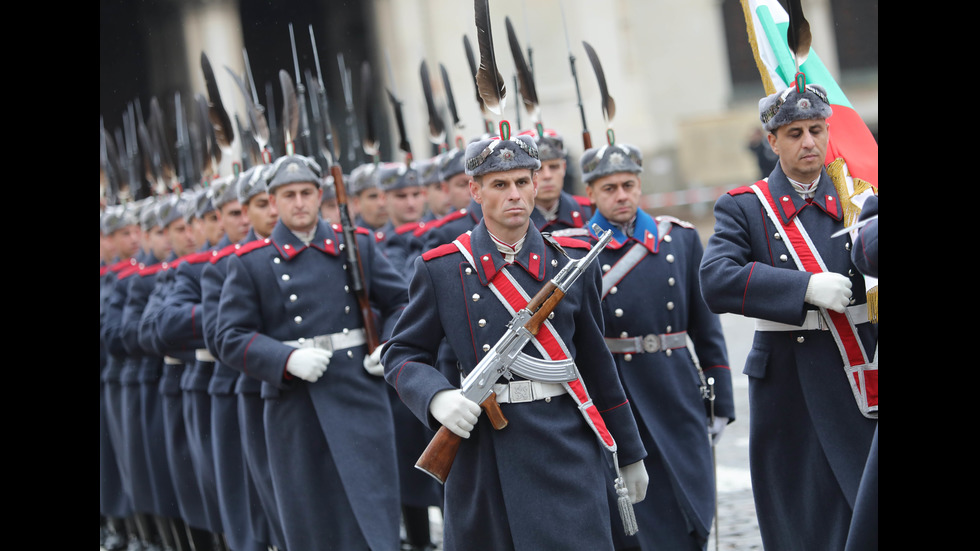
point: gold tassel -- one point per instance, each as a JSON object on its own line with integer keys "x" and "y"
{"x": 873, "y": 304}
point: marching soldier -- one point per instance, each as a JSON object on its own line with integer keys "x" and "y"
{"x": 772, "y": 258}
{"x": 287, "y": 315}
{"x": 652, "y": 307}
{"x": 548, "y": 457}
{"x": 121, "y": 233}
{"x": 169, "y": 236}
{"x": 259, "y": 494}
{"x": 404, "y": 198}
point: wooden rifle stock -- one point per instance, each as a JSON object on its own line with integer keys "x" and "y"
{"x": 355, "y": 267}
{"x": 438, "y": 457}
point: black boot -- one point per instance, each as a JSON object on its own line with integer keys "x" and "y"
{"x": 165, "y": 533}
{"x": 417, "y": 534}
{"x": 200, "y": 540}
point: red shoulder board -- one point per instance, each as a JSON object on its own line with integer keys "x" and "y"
{"x": 571, "y": 242}
{"x": 198, "y": 257}
{"x": 582, "y": 200}
{"x": 103, "y": 270}
{"x": 152, "y": 269}
{"x": 455, "y": 215}
{"x": 741, "y": 190}
{"x": 130, "y": 270}
{"x": 408, "y": 227}
{"x": 227, "y": 250}
{"x": 362, "y": 231}
{"x": 252, "y": 245}
{"x": 441, "y": 250}
{"x": 122, "y": 264}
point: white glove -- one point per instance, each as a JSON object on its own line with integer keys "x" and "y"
{"x": 455, "y": 411}
{"x": 717, "y": 428}
{"x": 308, "y": 364}
{"x": 372, "y": 363}
{"x": 829, "y": 290}
{"x": 636, "y": 478}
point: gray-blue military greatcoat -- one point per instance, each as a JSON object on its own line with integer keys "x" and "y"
{"x": 655, "y": 302}
{"x": 330, "y": 443}
{"x": 808, "y": 438}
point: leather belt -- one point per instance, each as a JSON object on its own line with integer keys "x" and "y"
{"x": 648, "y": 344}
{"x": 516, "y": 392}
{"x": 814, "y": 321}
{"x": 348, "y": 338}
{"x": 204, "y": 355}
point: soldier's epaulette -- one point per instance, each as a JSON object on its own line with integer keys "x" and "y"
{"x": 129, "y": 270}
{"x": 582, "y": 200}
{"x": 571, "y": 232}
{"x": 672, "y": 220}
{"x": 408, "y": 227}
{"x": 253, "y": 245}
{"x": 103, "y": 270}
{"x": 362, "y": 231}
{"x": 224, "y": 252}
{"x": 196, "y": 257}
{"x": 441, "y": 250}
{"x": 741, "y": 190}
{"x": 455, "y": 215}
{"x": 153, "y": 268}
{"x": 122, "y": 265}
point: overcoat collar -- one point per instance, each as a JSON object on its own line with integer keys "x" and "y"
{"x": 288, "y": 245}
{"x": 789, "y": 203}
{"x": 645, "y": 232}
{"x": 489, "y": 262}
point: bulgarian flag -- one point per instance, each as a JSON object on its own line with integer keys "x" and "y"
{"x": 852, "y": 154}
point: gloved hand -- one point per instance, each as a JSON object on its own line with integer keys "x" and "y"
{"x": 455, "y": 411}
{"x": 636, "y": 478}
{"x": 717, "y": 428}
{"x": 308, "y": 364}
{"x": 829, "y": 290}
{"x": 372, "y": 363}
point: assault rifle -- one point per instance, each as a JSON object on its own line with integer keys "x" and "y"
{"x": 506, "y": 358}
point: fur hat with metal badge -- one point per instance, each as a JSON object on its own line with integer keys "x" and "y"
{"x": 501, "y": 153}
{"x": 610, "y": 159}
{"x": 550, "y": 144}
{"x": 292, "y": 169}
{"x": 170, "y": 209}
{"x": 117, "y": 217}
{"x": 252, "y": 182}
{"x": 392, "y": 176}
{"x": 363, "y": 177}
{"x": 789, "y": 105}
{"x": 452, "y": 163}
{"x": 224, "y": 190}
{"x": 428, "y": 170}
